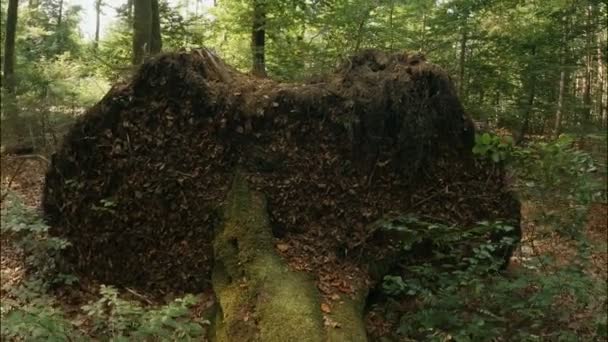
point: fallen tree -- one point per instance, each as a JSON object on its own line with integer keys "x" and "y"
{"x": 163, "y": 185}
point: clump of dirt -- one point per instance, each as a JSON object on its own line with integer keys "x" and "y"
{"x": 139, "y": 180}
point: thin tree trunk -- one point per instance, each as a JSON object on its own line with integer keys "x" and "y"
{"x": 156, "y": 40}
{"x": 258, "y": 38}
{"x": 560, "y": 103}
{"x": 588, "y": 61}
{"x": 10, "y": 107}
{"x": 391, "y": 27}
{"x": 529, "y": 104}
{"x": 97, "y": 22}
{"x": 527, "y": 112}
{"x": 601, "y": 70}
{"x": 562, "y": 85}
{"x": 360, "y": 30}
{"x": 59, "y": 18}
{"x": 9, "y": 46}
{"x": 462, "y": 60}
{"x": 422, "y": 47}
{"x": 142, "y": 30}
{"x": 130, "y": 10}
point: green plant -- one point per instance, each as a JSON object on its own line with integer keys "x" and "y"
{"x": 28, "y": 313}
{"x": 122, "y": 320}
{"x": 543, "y": 300}
{"x": 492, "y": 146}
{"x": 29, "y": 232}
{"x": 560, "y": 180}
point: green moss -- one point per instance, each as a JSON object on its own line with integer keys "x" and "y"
{"x": 259, "y": 297}
{"x": 348, "y": 314}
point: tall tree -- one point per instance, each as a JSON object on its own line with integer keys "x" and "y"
{"x": 588, "y": 61}
{"x": 155, "y": 39}
{"x": 9, "y": 46}
{"x": 9, "y": 82}
{"x": 146, "y": 29}
{"x": 60, "y": 15}
{"x": 98, "y": 4}
{"x": 258, "y": 38}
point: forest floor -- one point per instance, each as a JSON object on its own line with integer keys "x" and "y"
{"x": 25, "y": 178}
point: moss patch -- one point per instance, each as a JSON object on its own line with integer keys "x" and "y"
{"x": 259, "y": 298}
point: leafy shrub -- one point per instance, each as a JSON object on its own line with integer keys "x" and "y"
{"x": 123, "y": 320}
{"x": 29, "y": 312}
{"x": 470, "y": 301}
{"x": 29, "y": 232}
{"x": 492, "y": 146}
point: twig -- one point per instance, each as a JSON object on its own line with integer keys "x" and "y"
{"x": 32, "y": 156}
{"x": 140, "y": 296}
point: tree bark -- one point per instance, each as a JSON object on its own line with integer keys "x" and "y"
{"x": 560, "y": 103}
{"x": 562, "y": 86}
{"x": 10, "y": 107}
{"x": 258, "y": 38}
{"x": 97, "y": 22}
{"x": 156, "y": 40}
{"x": 60, "y": 16}
{"x": 588, "y": 61}
{"x": 142, "y": 30}
{"x": 462, "y": 60}
{"x": 529, "y": 103}
{"x": 601, "y": 72}
{"x": 130, "y": 10}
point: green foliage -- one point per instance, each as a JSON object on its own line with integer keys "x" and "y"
{"x": 30, "y": 312}
{"x": 465, "y": 299}
{"x": 560, "y": 179}
{"x": 30, "y": 233}
{"x": 122, "y": 320}
{"x": 492, "y": 146}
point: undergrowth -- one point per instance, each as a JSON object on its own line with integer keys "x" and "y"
{"x": 31, "y": 312}
{"x": 469, "y": 299}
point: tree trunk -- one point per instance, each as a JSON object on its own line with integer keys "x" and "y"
{"x": 142, "y": 30}
{"x": 97, "y": 22}
{"x": 588, "y": 61}
{"x": 560, "y": 103}
{"x": 462, "y": 60}
{"x": 258, "y": 37}
{"x": 130, "y": 10}
{"x": 156, "y": 40}
{"x": 59, "y": 18}
{"x": 601, "y": 72}
{"x": 562, "y": 86}
{"x": 391, "y": 27}
{"x": 529, "y": 103}
{"x": 10, "y": 107}
{"x": 250, "y": 278}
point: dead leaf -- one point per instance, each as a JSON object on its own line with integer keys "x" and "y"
{"x": 282, "y": 247}
{"x": 325, "y": 308}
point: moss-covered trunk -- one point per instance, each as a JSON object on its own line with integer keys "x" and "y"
{"x": 259, "y": 297}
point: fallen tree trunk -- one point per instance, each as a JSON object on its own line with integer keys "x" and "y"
{"x": 259, "y": 298}
{"x": 143, "y": 186}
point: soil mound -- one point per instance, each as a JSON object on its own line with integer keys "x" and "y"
{"x": 139, "y": 180}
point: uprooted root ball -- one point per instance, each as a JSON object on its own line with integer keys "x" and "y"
{"x": 137, "y": 186}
